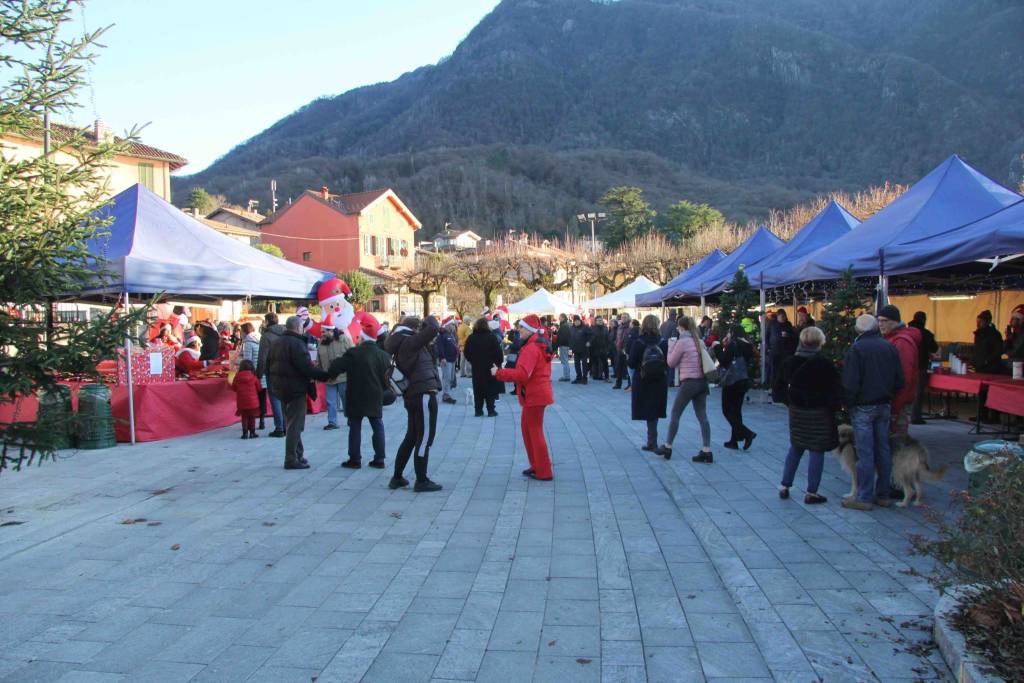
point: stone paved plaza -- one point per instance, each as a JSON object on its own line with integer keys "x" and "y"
{"x": 200, "y": 559}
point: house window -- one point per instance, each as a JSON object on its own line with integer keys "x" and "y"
{"x": 307, "y": 256}
{"x": 391, "y": 247}
{"x": 373, "y": 245}
{"x": 375, "y": 305}
{"x": 366, "y": 245}
{"x": 146, "y": 175}
{"x": 404, "y": 248}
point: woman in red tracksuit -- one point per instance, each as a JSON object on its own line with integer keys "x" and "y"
{"x": 532, "y": 377}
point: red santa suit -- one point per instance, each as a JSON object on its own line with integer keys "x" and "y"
{"x": 532, "y": 379}
{"x": 186, "y": 361}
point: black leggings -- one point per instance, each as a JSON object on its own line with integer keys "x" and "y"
{"x": 419, "y": 408}
{"x": 732, "y": 408}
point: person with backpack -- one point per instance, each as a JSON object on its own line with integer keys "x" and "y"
{"x": 735, "y": 355}
{"x": 366, "y": 367}
{"x": 532, "y": 378}
{"x": 686, "y": 359}
{"x": 647, "y": 358}
{"x": 411, "y": 344}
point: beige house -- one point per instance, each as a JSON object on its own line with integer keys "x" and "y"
{"x": 142, "y": 164}
{"x": 238, "y": 217}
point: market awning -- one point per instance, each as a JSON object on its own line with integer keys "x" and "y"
{"x": 761, "y": 244}
{"x": 830, "y": 224}
{"x": 542, "y": 301}
{"x": 621, "y": 298}
{"x": 669, "y": 291}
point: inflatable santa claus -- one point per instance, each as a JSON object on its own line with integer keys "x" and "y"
{"x": 335, "y": 309}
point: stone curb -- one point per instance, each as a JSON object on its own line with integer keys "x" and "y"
{"x": 966, "y": 666}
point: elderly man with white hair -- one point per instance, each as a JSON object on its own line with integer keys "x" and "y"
{"x": 872, "y": 376}
{"x": 291, "y": 374}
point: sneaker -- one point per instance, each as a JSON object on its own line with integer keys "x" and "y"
{"x": 352, "y": 464}
{"x": 732, "y": 445}
{"x": 329, "y": 426}
{"x": 426, "y": 486}
{"x": 493, "y": 413}
{"x": 814, "y": 499}
{"x": 783, "y": 492}
{"x": 854, "y": 504}
{"x": 649, "y": 448}
{"x": 277, "y": 433}
{"x": 704, "y": 457}
{"x": 749, "y": 440}
{"x": 883, "y": 502}
{"x": 398, "y": 483}
{"x": 664, "y": 451}
{"x": 298, "y": 465}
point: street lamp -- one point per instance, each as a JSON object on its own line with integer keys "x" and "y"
{"x": 593, "y": 218}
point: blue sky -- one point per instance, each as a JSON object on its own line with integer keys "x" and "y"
{"x": 209, "y": 75}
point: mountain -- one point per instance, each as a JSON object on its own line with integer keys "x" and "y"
{"x": 744, "y": 104}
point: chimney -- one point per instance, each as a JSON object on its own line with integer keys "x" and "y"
{"x": 324, "y": 193}
{"x": 101, "y": 132}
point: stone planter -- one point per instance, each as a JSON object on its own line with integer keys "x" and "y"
{"x": 967, "y": 667}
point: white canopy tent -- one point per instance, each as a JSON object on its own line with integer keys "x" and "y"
{"x": 544, "y": 302}
{"x": 622, "y": 298}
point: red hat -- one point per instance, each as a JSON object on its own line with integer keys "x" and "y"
{"x": 369, "y": 328}
{"x": 532, "y": 323}
{"x": 329, "y": 289}
{"x": 802, "y": 309}
{"x": 450, "y": 320}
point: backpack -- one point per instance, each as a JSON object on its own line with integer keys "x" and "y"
{"x": 653, "y": 365}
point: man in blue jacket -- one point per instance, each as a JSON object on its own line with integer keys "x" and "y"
{"x": 872, "y": 376}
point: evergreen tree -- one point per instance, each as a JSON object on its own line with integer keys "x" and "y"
{"x": 684, "y": 219}
{"x": 361, "y": 286}
{"x": 271, "y": 249}
{"x": 629, "y": 215}
{"x": 200, "y": 199}
{"x": 737, "y": 301}
{"x": 46, "y": 216}
{"x": 848, "y": 300}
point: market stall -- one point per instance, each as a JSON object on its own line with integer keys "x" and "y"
{"x": 542, "y": 302}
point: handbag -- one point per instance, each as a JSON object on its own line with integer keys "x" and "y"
{"x": 707, "y": 363}
{"x": 736, "y": 372}
{"x": 397, "y": 382}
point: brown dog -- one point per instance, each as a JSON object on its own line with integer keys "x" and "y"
{"x": 909, "y": 464}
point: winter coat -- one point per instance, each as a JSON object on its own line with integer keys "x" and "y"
{"x": 988, "y": 350}
{"x": 415, "y": 356}
{"x": 782, "y": 339}
{"x": 290, "y": 370}
{"x": 631, "y": 338}
{"x": 532, "y": 373}
{"x": 669, "y": 328}
{"x": 447, "y": 346}
{"x": 270, "y": 335}
{"x": 599, "y": 340}
{"x": 246, "y": 388}
{"x": 564, "y": 338}
{"x": 1015, "y": 345}
{"x": 251, "y": 349}
{"x": 872, "y": 373}
{"x": 810, "y": 385}
{"x": 622, "y": 336}
{"x": 327, "y": 353}
{"x": 581, "y": 336}
{"x": 483, "y": 352}
{"x": 685, "y": 357}
{"x": 211, "y": 342}
{"x": 366, "y": 366}
{"x": 649, "y": 398}
{"x": 465, "y": 329}
{"x": 907, "y": 341}
{"x": 928, "y": 347}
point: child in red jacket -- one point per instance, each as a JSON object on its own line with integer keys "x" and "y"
{"x": 246, "y": 388}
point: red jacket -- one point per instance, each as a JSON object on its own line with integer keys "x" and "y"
{"x": 532, "y": 373}
{"x": 186, "y": 364}
{"x": 225, "y": 348}
{"x": 907, "y": 341}
{"x": 246, "y": 388}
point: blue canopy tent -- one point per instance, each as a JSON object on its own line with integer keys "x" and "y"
{"x": 153, "y": 247}
{"x": 951, "y": 195}
{"x": 662, "y": 294}
{"x": 759, "y": 246}
{"x": 830, "y": 224}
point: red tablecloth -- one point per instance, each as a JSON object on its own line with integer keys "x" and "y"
{"x": 1006, "y": 398}
{"x": 970, "y": 383}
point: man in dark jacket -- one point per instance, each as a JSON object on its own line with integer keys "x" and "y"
{"x": 366, "y": 367}
{"x": 581, "y": 334}
{"x": 988, "y": 346}
{"x": 564, "y": 343}
{"x": 928, "y": 348}
{"x": 291, "y": 373}
{"x": 782, "y": 339}
{"x": 411, "y": 345}
{"x": 447, "y": 356}
{"x": 272, "y": 331}
{"x": 872, "y": 377}
{"x": 669, "y": 329}
{"x": 599, "y": 351}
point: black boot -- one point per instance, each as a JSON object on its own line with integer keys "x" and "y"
{"x": 253, "y": 434}
{"x": 262, "y": 426}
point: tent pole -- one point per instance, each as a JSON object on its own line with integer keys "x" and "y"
{"x": 128, "y": 367}
{"x": 764, "y": 382}
{"x": 703, "y": 307}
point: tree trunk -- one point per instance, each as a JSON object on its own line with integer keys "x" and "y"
{"x": 426, "y": 303}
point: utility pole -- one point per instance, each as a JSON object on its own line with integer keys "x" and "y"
{"x": 273, "y": 196}
{"x": 593, "y": 218}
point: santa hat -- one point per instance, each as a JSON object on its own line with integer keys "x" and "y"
{"x": 450, "y": 320}
{"x": 192, "y": 338}
{"x": 369, "y": 328}
{"x": 329, "y": 289}
{"x": 532, "y": 324}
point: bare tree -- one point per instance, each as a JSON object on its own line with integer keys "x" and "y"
{"x": 486, "y": 270}
{"x": 429, "y": 276}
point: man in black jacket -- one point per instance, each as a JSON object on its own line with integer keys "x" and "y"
{"x": 988, "y": 346}
{"x": 564, "y": 343}
{"x": 872, "y": 376}
{"x": 272, "y": 331}
{"x": 291, "y": 373}
{"x": 927, "y": 349}
{"x": 782, "y": 339}
{"x": 367, "y": 367}
{"x": 581, "y": 334}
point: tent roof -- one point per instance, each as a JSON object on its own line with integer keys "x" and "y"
{"x": 542, "y": 301}
{"x": 830, "y": 224}
{"x": 153, "y": 247}
{"x": 655, "y": 297}
{"x": 622, "y": 298}
{"x": 1000, "y": 234}
{"x": 951, "y": 195}
{"x": 761, "y": 244}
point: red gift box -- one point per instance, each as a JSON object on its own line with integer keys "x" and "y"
{"x": 146, "y": 369}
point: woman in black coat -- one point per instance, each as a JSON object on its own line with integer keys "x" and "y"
{"x": 650, "y": 394}
{"x": 810, "y": 385}
{"x": 482, "y": 353}
{"x": 735, "y": 382}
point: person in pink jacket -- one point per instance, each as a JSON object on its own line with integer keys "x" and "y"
{"x": 532, "y": 378}
{"x": 907, "y": 341}
{"x": 685, "y": 357}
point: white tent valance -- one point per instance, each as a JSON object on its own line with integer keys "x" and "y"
{"x": 542, "y": 301}
{"x": 622, "y": 298}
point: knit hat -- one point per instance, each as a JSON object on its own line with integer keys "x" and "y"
{"x": 369, "y": 328}
{"x": 891, "y": 312}
{"x": 532, "y": 324}
{"x": 986, "y": 315}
